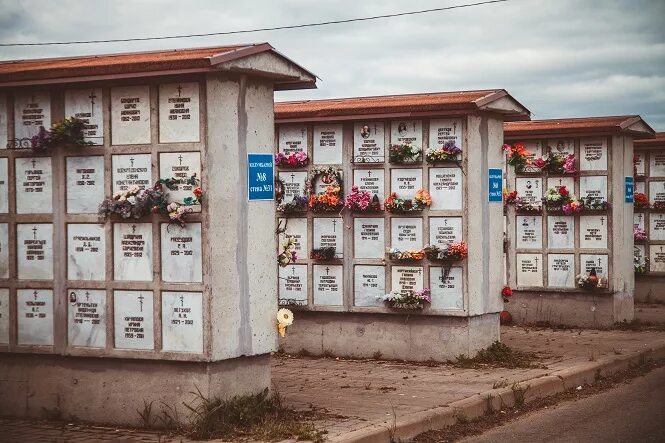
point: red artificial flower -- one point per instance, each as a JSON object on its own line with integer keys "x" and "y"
{"x": 198, "y": 192}
{"x": 507, "y": 292}
{"x": 563, "y": 191}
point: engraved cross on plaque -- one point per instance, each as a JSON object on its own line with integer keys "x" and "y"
{"x": 369, "y": 174}
{"x": 92, "y": 98}
{"x": 602, "y": 221}
{"x": 141, "y": 297}
{"x": 34, "y": 232}
{"x": 327, "y": 270}
{"x": 293, "y": 176}
{"x": 35, "y": 294}
{"x": 131, "y": 161}
{"x": 334, "y": 222}
{"x": 87, "y": 296}
{"x": 179, "y": 90}
{"x": 133, "y": 229}
{"x": 180, "y": 159}
{"x": 34, "y": 163}
{"x": 302, "y": 133}
{"x": 536, "y": 260}
{"x": 182, "y": 300}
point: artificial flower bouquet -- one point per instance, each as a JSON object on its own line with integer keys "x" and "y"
{"x": 323, "y": 254}
{"x": 405, "y": 154}
{"x": 396, "y": 254}
{"x": 420, "y": 202}
{"x": 590, "y": 281}
{"x": 521, "y": 204}
{"x": 294, "y": 160}
{"x": 640, "y": 268}
{"x": 558, "y": 163}
{"x": 330, "y": 200}
{"x": 407, "y": 300}
{"x": 135, "y": 202}
{"x": 560, "y": 199}
{"x": 297, "y": 205}
{"x": 284, "y": 320}
{"x": 288, "y": 254}
{"x": 640, "y": 201}
{"x": 639, "y": 234}
{"x": 67, "y": 134}
{"x": 362, "y": 201}
{"x": 448, "y": 152}
{"x": 509, "y": 197}
{"x": 517, "y": 156}
{"x": 595, "y": 204}
{"x": 453, "y": 251}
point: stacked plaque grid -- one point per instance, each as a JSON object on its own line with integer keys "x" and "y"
{"x": 84, "y": 290}
{"x": 650, "y": 180}
{"x": 550, "y": 249}
{"x": 366, "y": 268}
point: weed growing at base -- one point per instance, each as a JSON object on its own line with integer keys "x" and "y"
{"x": 497, "y": 355}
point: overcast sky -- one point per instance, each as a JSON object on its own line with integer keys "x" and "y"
{"x": 560, "y": 58}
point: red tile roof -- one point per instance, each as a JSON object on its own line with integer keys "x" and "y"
{"x": 577, "y": 126}
{"x": 377, "y": 106}
{"x": 91, "y": 67}
{"x": 657, "y": 142}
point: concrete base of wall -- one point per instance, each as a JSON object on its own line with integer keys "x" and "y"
{"x": 401, "y": 337}
{"x": 649, "y": 289}
{"x": 586, "y": 309}
{"x": 109, "y": 390}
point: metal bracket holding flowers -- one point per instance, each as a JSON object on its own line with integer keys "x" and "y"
{"x": 411, "y": 300}
{"x": 295, "y": 160}
{"x": 411, "y": 255}
{"x": 590, "y": 281}
{"x": 454, "y": 251}
{"x": 331, "y": 199}
{"x": 288, "y": 254}
{"x": 65, "y": 134}
{"x": 323, "y": 254}
{"x": 421, "y": 201}
{"x": 522, "y": 205}
{"x": 295, "y": 206}
{"x": 362, "y": 201}
{"x": 405, "y": 154}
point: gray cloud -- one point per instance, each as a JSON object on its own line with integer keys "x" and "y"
{"x": 561, "y": 58}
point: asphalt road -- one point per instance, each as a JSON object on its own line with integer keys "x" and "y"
{"x": 633, "y": 412}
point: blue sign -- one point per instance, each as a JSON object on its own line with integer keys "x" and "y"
{"x": 630, "y": 189}
{"x": 495, "y": 185}
{"x": 260, "y": 177}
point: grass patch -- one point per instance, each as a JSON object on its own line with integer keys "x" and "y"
{"x": 257, "y": 417}
{"x": 497, "y": 355}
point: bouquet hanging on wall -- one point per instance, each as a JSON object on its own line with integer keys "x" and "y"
{"x": 560, "y": 199}
{"x": 639, "y": 234}
{"x": 135, "y": 202}
{"x": 556, "y": 163}
{"x": 521, "y": 204}
{"x": 517, "y": 156}
{"x": 639, "y": 266}
{"x": 396, "y": 254}
{"x": 323, "y": 254}
{"x": 330, "y": 200}
{"x": 294, "y": 160}
{"x": 408, "y": 299}
{"x": 590, "y": 281}
{"x": 640, "y": 201}
{"x": 595, "y": 204}
{"x": 288, "y": 254}
{"x": 453, "y": 251}
{"x": 362, "y": 201}
{"x": 65, "y": 134}
{"x": 419, "y": 202}
{"x": 448, "y": 152}
{"x": 405, "y": 154}
{"x": 297, "y": 205}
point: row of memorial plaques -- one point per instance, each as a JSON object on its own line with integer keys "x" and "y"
{"x": 655, "y": 160}
{"x": 560, "y": 269}
{"x": 369, "y": 144}
{"x": 179, "y": 114}
{"x": 85, "y": 180}
{"x": 593, "y": 151}
{"x": 656, "y": 224}
{"x": 593, "y": 232}
{"x": 181, "y": 316}
{"x": 532, "y": 189}
{"x": 369, "y": 285}
{"x": 656, "y": 254}
{"x": 656, "y": 190}
{"x": 86, "y": 252}
{"x": 406, "y": 233}
{"x": 445, "y": 185}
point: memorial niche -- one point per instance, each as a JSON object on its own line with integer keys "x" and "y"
{"x": 445, "y": 139}
{"x": 86, "y": 252}
{"x": 406, "y": 234}
{"x": 639, "y": 164}
{"x": 325, "y": 190}
{"x": 35, "y": 316}
{"x": 368, "y": 142}
{"x": 85, "y": 184}
{"x": 180, "y": 172}
{"x": 445, "y": 186}
{"x": 529, "y": 270}
{"x": 328, "y": 144}
{"x": 406, "y": 182}
{"x": 561, "y": 270}
{"x": 328, "y": 284}
{"x": 446, "y": 284}
{"x": 369, "y": 285}
{"x": 130, "y": 115}
{"x": 292, "y": 139}
{"x": 290, "y": 192}
{"x": 327, "y": 238}
{"x": 85, "y": 105}
{"x": 597, "y": 262}
{"x": 407, "y": 279}
{"x": 656, "y": 258}
{"x": 182, "y": 322}
{"x": 561, "y": 146}
{"x": 295, "y": 229}
{"x": 593, "y": 154}
{"x": 32, "y": 111}
{"x": 593, "y": 231}
{"x": 293, "y": 285}
{"x": 560, "y": 232}
{"x": 181, "y": 253}
{"x": 657, "y": 194}
{"x": 87, "y": 318}
{"x": 370, "y": 181}
{"x": 132, "y": 251}
{"x": 131, "y": 170}
{"x": 406, "y": 141}
{"x": 657, "y": 226}
{"x": 657, "y": 164}
{"x": 530, "y": 190}
{"x": 444, "y": 230}
{"x": 34, "y": 183}
{"x": 529, "y": 231}
{"x": 133, "y": 320}
{"x": 35, "y": 251}
{"x": 179, "y": 113}
{"x": 4, "y": 316}
{"x": 368, "y": 238}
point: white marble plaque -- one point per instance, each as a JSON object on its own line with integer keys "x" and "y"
{"x": 406, "y": 132}
{"x": 182, "y": 322}
{"x": 530, "y": 189}
{"x": 535, "y": 149}
{"x": 656, "y": 192}
{"x": 329, "y": 233}
{"x": 87, "y": 318}
{"x": 368, "y": 238}
{"x": 86, "y": 252}
{"x": 292, "y": 139}
{"x": 4, "y": 316}
{"x": 558, "y": 182}
{"x": 328, "y": 144}
{"x": 406, "y": 234}
{"x": 640, "y": 187}
{"x": 561, "y": 271}
{"x": 657, "y": 163}
{"x": 370, "y": 180}
{"x": 369, "y": 284}
{"x": 35, "y": 316}
{"x": 130, "y": 170}
{"x": 640, "y": 163}
{"x": 296, "y": 228}
{"x": 133, "y": 320}
{"x": 594, "y": 186}
{"x": 657, "y": 226}
{"x": 407, "y": 278}
{"x": 369, "y": 145}
{"x": 656, "y": 258}
{"x": 3, "y": 121}
{"x": 639, "y": 255}
{"x": 32, "y": 110}
{"x": 447, "y": 286}
{"x": 593, "y": 154}
{"x": 85, "y": 184}
{"x": 34, "y": 183}
{"x": 294, "y": 184}
{"x": 322, "y": 182}
{"x": 529, "y": 270}
{"x": 130, "y": 115}
{"x": 444, "y": 230}
{"x": 599, "y": 262}
{"x": 529, "y": 230}
{"x": 328, "y": 284}
{"x": 561, "y": 146}
{"x": 35, "y": 251}
{"x": 86, "y": 105}
{"x": 406, "y": 182}
{"x": 293, "y": 285}
{"x": 132, "y": 251}
{"x": 179, "y": 113}
{"x": 445, "y": 130}
{"x": 181, "y": 253}
{"x": 638, "y": 220}
{"x": 445, "y": 187}
{"x": 4, "y": 250}
{"x": 561, "y": 231}
{"x": 593, "y": 231}
{"x": 181, "y": 166}
{"x": 4, "y": 183}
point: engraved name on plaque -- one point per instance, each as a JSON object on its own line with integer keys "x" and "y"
{"x": 130, "y": 115}
{"x": 32, "y": 110}
{"x": 369, "y": 285}
{"x": 406, "y": 182}
{"x": 292, "y": 139}
{"x": 368, "y": 142}
{"x": 34, "y": 194}
{"x": 370, "y": 180}
{"x": 368, "y": 237}
{"x": 86, "y": 252}
{"x": 529, "y": 270}
{"x": 445, "y": 187}
{"x": 328, "y": 283}
{"x": 185, "y": 169}
{"x": 181, "y": 253}
{"x": 182, "y": 322}
{"x": 87, "y": 318}
{"x": 35, "y": 251}
{"x": 447, "y": 287}
{"x": 328, "y": 144}
{"x": 86, "y": 105}
{"x": 133, "y": 320}
{"x": 132, "y": 251}
{"x": 293, "y": 285}
{"x": 561, "y": 270}
{"x": 131, "y": 170}
{"x": 406, "y": 132}
{"x": 406, "y": 233}
{"x": 85, "y": 184}
{"x": 529, "y": 231}
{"x": 179, "y": 113}
{"x": 593, "y": 154}
{"x": 35, "y": 316}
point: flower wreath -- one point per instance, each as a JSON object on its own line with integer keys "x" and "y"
{"x": 331, "y": 199}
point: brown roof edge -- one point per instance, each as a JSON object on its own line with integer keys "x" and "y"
{"x": 584, "y": 126}
{"x": 658, "y": 141}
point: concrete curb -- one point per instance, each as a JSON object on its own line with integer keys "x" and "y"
{"x": 475, "y": 406}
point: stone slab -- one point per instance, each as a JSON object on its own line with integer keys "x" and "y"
{"x": 133, "y": 320}
{"x": 35, "y": 316}
{"x": 182, "y": 322}
{"x": 369, "y": 144}
{"x": 87, "y": 105}
{"x": 86, "y": 252}
{"x": 179, "y": 113}
{"x": 130, "y": 115}
{"x": 86, "y": 318}
{"x": 85, "y": 184}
